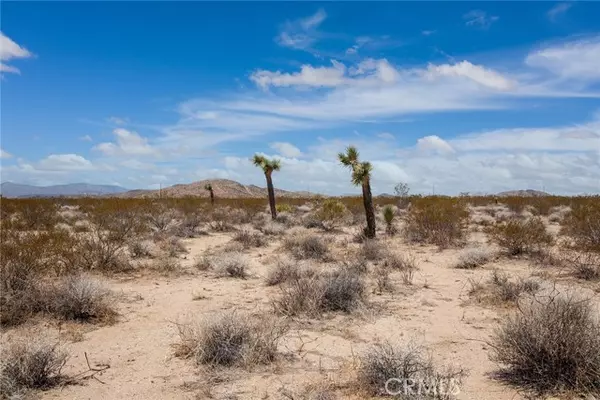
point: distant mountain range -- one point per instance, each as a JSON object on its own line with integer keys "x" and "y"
{"x": 9, "y": 189}
{"x": 223, "y": 188}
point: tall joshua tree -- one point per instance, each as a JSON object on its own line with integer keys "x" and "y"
{"x": 361, "y": 175}
{"x": 208, "y": 187}
{"x": 268, "y": 166}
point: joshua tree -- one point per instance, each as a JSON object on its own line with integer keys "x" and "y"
{"x": 361, "y": 175}
{"x": 268, "y": 166}
{"x": 388, "y": 216}
{"x": 208, "y": 187}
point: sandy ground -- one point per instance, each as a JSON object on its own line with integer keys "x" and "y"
{"x": 434, "y": 312}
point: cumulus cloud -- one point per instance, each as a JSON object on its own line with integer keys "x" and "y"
{"x": 286, "y": 149}
{"x": 127, "y": 143}
{"x": 65, "y": 162}
{"x": 434, "y": 144}
{"x": 10, "y": 50}
{"x": 308, "y": 76}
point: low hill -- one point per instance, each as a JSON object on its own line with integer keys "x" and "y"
{"x": 10, "y": 189}
{"x": 523, "y": 193}
{"x": 223, "y": 188}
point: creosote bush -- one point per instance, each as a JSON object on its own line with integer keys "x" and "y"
{"x": 551, "y": 345}
{"x": 439, "y": 221}
{"x": 286, "y": 270}
{"x": 521, "y": 236}
{"x": 583, "y": 224}
{"x": 232, "y": 264}
{"x": 30, "y": 364}
{"x": 250, "y": 239}
{"x": 230, "y": 340}
{"x": 331, "y": 214}
{"x": 408, "y": 372}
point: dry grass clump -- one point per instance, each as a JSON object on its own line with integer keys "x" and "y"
{"x": 250, "y": 239}
{"x": 166, "y": 265}
{"x": 585, "y": 265}
{"x": 172, "y": 246}
{"x": 338, "y": 290}
{"x": 521, "y": 236}
{"x": 79, "y": 298}
{"x": 272, "y": 228}
{"x": 305, "y": 245}
{"x": 30, "y": 364}
{"x": 474, "y": 257}
{"x": 551, "y": 346}
{"x": 406, "y": 373}
{"x": 139, "y": 249}
{"x": 286, "y": 270}
{"x": 232, "y": 264}
{"x": 503, "y": 291}
{"x": 230, "y": 340}
{"x": 373, "y": 250}
{"x": 439, "y": 221}
{"x": 382, "y": 279}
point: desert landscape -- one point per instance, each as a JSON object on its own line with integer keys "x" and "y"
{"x": 471, "y": 297}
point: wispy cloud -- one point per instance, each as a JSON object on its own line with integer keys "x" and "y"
{"x": 10, "y": 50}
{"x": 302, "y": 33}
{"x": 86, "y": 138}
{"x": 428, "y": 32}
{"x": 555, "y": 12}
{"x": 5, "y": 154}
{"x": 118, "y": 120}
{"x": 479, "y": 19}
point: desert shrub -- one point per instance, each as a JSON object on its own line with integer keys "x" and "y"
{"x": 382, "y": 279}
{"x": 583, "y": 224}
{"x": 521, "y": 236}
{"x": 231, "y": 264}
{"x": 551, "y": 346}
{"x": 221, "y": 226}
{"x": 271, "y": 228}
{"x": 356, "y": 265}
{"x": 189, "y": 226}
{"x": 474, "y": 257}
{"x": 585, "y": 265}
{"x": 339, "y": 290}
{"x": 389, "y": 213}
{"x": 373, "y": 250}
{"x": 37, "y": 214}
{"x": 286, "y": 270}
{"x": 172, "y": 246}
{"x": 284, "y": 207}
{"x": 406, "y": 372}
{"x": 438, "y": 221}
{"x": 230, "y": 340}
{"x": 400, "y": 262}
{"x": 503, "y": 291}
{"x": 80, "y": 298}
{"x": 30, "y": 364}
{"x": 250, "y": 239}
{"x": 306, "y": 245}
{"x": 331, "y": 214}
{"x": 139, "y": 249}
{"x": 166, "y": 265}
{"x": 162, "y": 219}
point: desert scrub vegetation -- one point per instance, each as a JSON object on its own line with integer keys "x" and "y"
{"x": 230, "y": 340}
{"x": 583, "y": 224}
{"x": 285, "y": 270}
{"x": 502, "y": 291}
{"x": 331, "y": 214}
{"x": 439, "y": 221}
{"x": 406, "y": 372}
{"x": 550, "y": 346}
{"x": 474, "y": 257}
{"x": 250, "y": 239}
{"x": 373, "y": 250}
{"x": 389, "y": 214}
{"x": 305, "y": 245}
{"x": 313, "y": 294}
{"x": 30, "y": 364}
{"x": 518, "y": 236}
{"x": 226, "y": 264}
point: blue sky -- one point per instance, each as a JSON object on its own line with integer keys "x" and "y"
{"x": 466, "y": 96}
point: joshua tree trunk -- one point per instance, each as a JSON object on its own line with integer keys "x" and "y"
{"x": 212, "y": 198}
{"x": 369, "y": 210}
{"x": 271, "y": 195}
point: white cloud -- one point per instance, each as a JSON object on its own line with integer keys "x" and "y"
{"x": 65, "y": 162}
{"x": 480, "y": 19}
{"x": 127, "y": 143}
{"x": 10, "y": 50}
{"x": 428, "y": 32}
{"x": 5, "y": 154}
{"x": 86, "y": 138}
{"x": 477, "y": 73}
{"x": 117, "y": 120}
{"x": 558, "y": 10}
{"x": 358, "y": 44}
{"x": 434, "y": 144}
{"x": 301, "y": 34}
{"x": 386, "y": 136}
{"x": 286, "y": 149}
{"x": 308, "y": 76}
{"x": 576, "y": 59}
